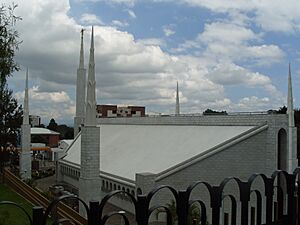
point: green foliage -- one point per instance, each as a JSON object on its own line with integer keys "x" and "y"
{"x": 193, "y": 214}
{"x": 9, "y": 41}
{"x": 65, "y": 131}
{"x": 52, "y": 125}
{"x": 213, "y": 112}
{"x": 10, "y": 117}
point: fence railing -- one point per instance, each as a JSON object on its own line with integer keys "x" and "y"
{"x": 37, "y": 198}
{"x": 280, "y": 189}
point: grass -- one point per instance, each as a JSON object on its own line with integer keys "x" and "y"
{"x": 10, "y": 214}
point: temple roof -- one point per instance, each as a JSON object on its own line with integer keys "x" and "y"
{"x": 129, "y": 149}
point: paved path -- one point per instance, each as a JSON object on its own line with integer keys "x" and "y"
{"x": 44, "y": 183}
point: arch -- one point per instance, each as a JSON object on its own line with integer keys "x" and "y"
{"x": 59, "y": 199}
{"x": 233, "y": 207}
{"x": 165, "y": 209}
{"x": 282, "y": 150}
{"x": 203, "y": 214}
{"x": 110, "y": 195}
{"x": 159, "y": 188}
{"x": 139, "y": 191}
{"x": 120, "y": 213}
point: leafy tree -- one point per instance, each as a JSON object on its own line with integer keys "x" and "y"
{"x": 213, "y": 112}
{"x": 52, "y": 125}
{"x": 10, "y": 112}
{"x": 9, "y": 42}
{"x": 10, "y": 117}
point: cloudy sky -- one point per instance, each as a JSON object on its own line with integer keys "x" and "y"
{"x": 226, "y": 55}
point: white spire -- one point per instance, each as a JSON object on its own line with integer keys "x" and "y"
{"x": 80, "y": 90}
{"x": 26, "y": 105}
{"x": 290, "y": 108}
{"x": 90, "y": 118}
{"x": 81, "y": 57}
{"x": 177, "y": 110}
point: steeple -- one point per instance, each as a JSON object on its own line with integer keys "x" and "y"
{"x": 81, "y": 57}
{"x": 177, "y": 110}
{"x": 89, "y": 179}
{"x": 26, "y": 106}
{"x": 292, "y": 130}
{"x": 290, "y": 108}
{"x": 80, "y": 90}
{"x": 90, "y": 118}
{"x": 25, "y": 156}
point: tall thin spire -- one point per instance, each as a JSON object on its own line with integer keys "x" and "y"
{"x": 25, "y": 156}
{"x": 89, "y": 179}
{"x": 290, "y": 108}
{"x": 177, "y": 110}
{"x": 292, "y": 130}
{"x": 26, "y": 105}
{"x": 81, "y": 57}
{"x": 80, "y": 90}
{"x": 90, "y": 118}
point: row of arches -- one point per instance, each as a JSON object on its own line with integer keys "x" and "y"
{"x": 108, "y": 186}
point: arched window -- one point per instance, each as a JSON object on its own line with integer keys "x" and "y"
{"x": 282, "y": 151}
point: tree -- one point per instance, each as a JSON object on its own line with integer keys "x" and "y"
{"x": 213, "y": 112}
{"x": 10, "y": 112}
{"x": 9, "y": 42}
{"x": 10, "y": 117}
{"x": 52, "y": 125}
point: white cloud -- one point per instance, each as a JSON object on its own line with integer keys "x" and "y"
{"x": 227, "y": 41}
{"x": 131, "y": 14}
{"x": 93, "y": 19}
{"x": 168, "y": 32}
{"x": 131, "y": 71}
{"x": 152, "y": 41}
{"x": 119, "y": 23}
{"x": 275, "y": 15}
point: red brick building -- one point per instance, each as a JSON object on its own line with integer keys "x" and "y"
{"x": 120, "y": 111}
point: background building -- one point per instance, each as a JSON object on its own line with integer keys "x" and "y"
{"x": 34, "y": 120}
{"x": 120, "y": 111}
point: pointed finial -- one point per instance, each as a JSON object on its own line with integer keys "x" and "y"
{"x": 290, "y": 108}
{"x": 26, "y": 105}
{"x": 81, "y": 57}
{"x": 177, "y": 111}
{"x": 90, "y": 119}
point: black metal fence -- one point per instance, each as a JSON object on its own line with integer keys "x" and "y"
{"x": 280, "y": 190}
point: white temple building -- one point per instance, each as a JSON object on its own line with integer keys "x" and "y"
{"x": 136, "y": 154}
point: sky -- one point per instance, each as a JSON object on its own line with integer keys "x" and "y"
{"x": 225, "y": 55}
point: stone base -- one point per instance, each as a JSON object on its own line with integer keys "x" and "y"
{"x": 89, "y": 190}
{"x": 25, "y": 165}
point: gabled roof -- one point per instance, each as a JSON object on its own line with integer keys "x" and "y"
{"x": 40, "y": 130}
{"x": 129, "y": 149}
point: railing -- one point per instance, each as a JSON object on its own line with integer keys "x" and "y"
{"x": 273, "y": 210}
{"x": 35, "y": 197}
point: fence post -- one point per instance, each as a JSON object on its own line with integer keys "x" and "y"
{"x": 37, "y": 215}
{"x": 245, "y": 197}
{"x": 94, "y": 214}
{"x": 142, "y": 210}
{"x": 291, "y": 179}
{"x": 182, "y": 207}
{"x": 215, "y": 198}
